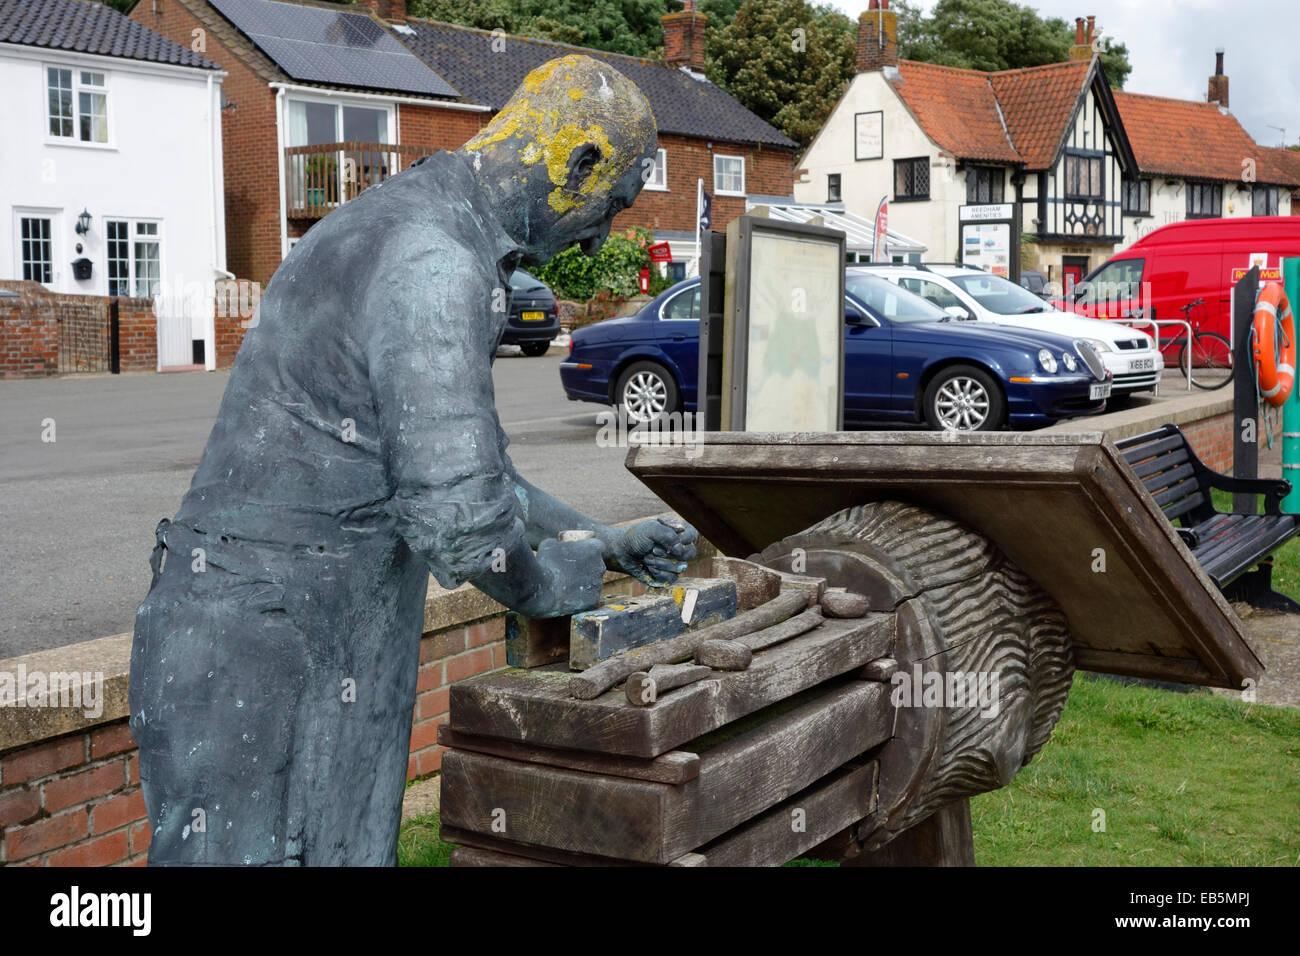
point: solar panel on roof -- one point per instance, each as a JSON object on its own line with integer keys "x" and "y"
{"x": 316, "y": 45}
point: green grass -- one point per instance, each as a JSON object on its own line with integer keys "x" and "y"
{"x": 1183, "y": 779}
{"x": 1286, "y": 559}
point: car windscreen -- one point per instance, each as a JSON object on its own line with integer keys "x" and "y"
{"x": 521, "y": 281}
{"x": 894, "y": 303}
{"x": 1000, "y": 296}
{"x": 1119, "y": 280}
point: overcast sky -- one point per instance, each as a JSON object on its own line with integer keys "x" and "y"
{"x": 1171, "y": 46}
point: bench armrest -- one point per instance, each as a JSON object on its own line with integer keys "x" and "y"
{"x": 1189, "y": 536}
{"x": 1273, "y": 489}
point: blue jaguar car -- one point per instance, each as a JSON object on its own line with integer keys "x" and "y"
{"x": 905, "y": 360}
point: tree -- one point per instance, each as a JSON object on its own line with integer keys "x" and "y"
{"x": 785, "y": 60}
{"x": 995, "y": 35}
{"x": 618, "y": 26}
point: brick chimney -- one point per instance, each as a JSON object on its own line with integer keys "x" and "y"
{"x": 393, "y": 11}
{"x": 684, "y": 37}
{"x": 877, "y": 37}
{"x": 1084, "y": 31}
{"x": 1218, "y": 82}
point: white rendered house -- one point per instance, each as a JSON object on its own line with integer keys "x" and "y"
{"x": 114, "y": 182}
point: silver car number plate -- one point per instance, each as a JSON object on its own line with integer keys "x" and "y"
{"x": 1142, "y": 365}
{"x": 1100, "y": 390}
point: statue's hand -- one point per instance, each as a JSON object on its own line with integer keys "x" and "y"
{"x": 654, "y": 551}
{"x": 574, "y": 572}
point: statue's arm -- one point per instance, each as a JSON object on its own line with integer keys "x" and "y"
{"x": 453, "y": 495}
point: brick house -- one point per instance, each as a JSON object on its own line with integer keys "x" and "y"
{"x": 1045, "y": 164}
{"x": 309, "y": 122}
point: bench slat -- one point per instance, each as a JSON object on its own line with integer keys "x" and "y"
{"x": 1249, "y": 552}
{"x": 1151, "y": 449}
{"x": 1190, "y": 503}
{"x": 1146, "y": 469}
{"x": 1181, "y": 489}
{"x": 1228, "y": 535}
{"x": 1167, "y": 479}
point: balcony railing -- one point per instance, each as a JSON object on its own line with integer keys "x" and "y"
{"x": 321, "y": 178}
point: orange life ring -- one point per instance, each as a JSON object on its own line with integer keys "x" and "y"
{"x": 1273, "y": 344}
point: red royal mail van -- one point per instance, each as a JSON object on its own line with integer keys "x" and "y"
{"x": 1179, "y": 263}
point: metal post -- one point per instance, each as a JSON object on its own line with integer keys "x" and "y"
{"x": 1245, "y": 403}
{"x": 708, "y": 391}
{"x": 1291, "y": 410}
{"x": 114, "y": 343}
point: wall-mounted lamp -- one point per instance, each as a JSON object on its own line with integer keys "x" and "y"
{"x": 83, "y": 223}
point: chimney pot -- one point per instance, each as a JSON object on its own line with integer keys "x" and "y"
{"x": 1092, "y": 21}
{"x": 1078, "y": 31}
{"x": 1218, "y": 82}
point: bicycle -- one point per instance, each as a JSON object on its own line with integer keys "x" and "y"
{"x": 1211, "y": 357}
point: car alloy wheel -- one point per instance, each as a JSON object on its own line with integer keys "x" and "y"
{"x": 645, "y": 396}
{"x": 962, "y": 404}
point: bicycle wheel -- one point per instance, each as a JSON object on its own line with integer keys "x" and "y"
{"x": 1211, "y": 365}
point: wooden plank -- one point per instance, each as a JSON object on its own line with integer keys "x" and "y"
{"x": 536, "y": 642}
{"x": 675, "y": 766}
{"x": 599, "y": 678}
{"x": 474, "y": 856}
{"x": 655, "y": 823}
{"x": 755, "y": 584}
{"x": 463, "y": 838}
{"x": 625, "y": 624}
{"x": 841, "y": 603}
{"x": 534, "y": 706}
{"x": 549, "y": 806}
{"x": 828, "y": 806}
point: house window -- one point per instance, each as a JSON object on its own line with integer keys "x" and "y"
{"x": 833, "y": 187}
{"x": 1083, "y": 177}
{"x": 729, "y": 175}
{"x": 134, "y": 258}
{"x": 1137, "y": 197}
{"x": 36, "y": 249}
{"x": 912, "y": 178}
{"x": 1204, "y": 200}
{"x": 87, "y": 91}
{"x": 1264, "y": 201}
{"x": 984, "y": 184}
{"x": 658, "y": 178}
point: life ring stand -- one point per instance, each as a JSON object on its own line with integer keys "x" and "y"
{"x": 1273, "y": 344}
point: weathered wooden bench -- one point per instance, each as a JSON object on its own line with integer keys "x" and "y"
{"x": 1227, "y": 546}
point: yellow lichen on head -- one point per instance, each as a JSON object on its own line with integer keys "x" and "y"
{"x": 679, "y": 595}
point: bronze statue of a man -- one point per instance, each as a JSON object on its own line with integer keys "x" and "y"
{"x": 358, "y": 449}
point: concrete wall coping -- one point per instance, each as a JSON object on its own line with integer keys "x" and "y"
{"x": 1183, "y": 409}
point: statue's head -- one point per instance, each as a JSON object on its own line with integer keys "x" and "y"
{"x": 572, "y": 147}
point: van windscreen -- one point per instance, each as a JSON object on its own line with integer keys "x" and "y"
{"x": 1119, "y": 280}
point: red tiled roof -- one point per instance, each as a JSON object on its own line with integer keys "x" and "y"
{"x": 1288, "y": 160}
{"x": 1013, "y": 116}
{"x": 1195, "y": 140}
{"x": 1037, "y": 104}
{"x": 957, "y": 109}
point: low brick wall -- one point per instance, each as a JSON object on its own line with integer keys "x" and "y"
{"x": 40, "y": 329}
{"x": 29, "y": 339}
{"x": 70, "y": 785}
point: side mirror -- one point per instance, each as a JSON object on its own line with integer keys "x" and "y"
{"x": 855, "y": 316}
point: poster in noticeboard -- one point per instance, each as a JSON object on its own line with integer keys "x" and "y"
{"x": 987, "y": 246}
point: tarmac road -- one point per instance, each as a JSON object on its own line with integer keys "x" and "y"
{"x": 77, "y": 515}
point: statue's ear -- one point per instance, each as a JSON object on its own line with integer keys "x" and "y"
{"x": 582, "y": 161}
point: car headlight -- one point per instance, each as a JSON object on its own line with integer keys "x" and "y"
{"x": 1046, "y": 360}
{"x": 1099, "y": 345}
{"x": 1069, "y": 361}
